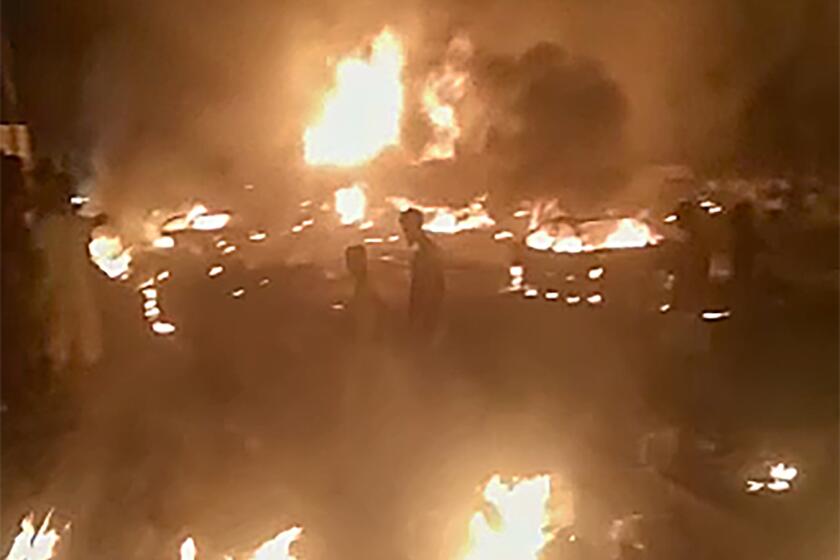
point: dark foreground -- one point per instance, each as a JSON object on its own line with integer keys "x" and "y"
{"x": 258, "y": 414}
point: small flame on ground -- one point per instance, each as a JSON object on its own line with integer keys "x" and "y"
{"x": 149, "y": 304}
{"x": 238, "y": 292}
{"x": 229, "y": 249}
{"x": 258, "y": 236}
{"x": 32, "y": 545}
{"x": 149, "y": 293}
{"x": 264, "y": 282}
{"x": 351, "y": 203}
{"x": 108, "y": 253}
{"x": 215, "y": 270}
{"x": 715, "y": 315}
{"x": 163, "y": 327}
{"x": 778, "y": 485}
{"x": 595, "y": 299}
{"x": 164, "y": 242}
{"x": 210, "y": 222}
{"x": 517, "y": 276}
{"x": 361, "y": 115}
{"x": 520, "y": 526}
{"x": 500, "y": 235}
{"x": 595, "y": 272}
{"x": 552, "y": 295}
{"x": 573, "y": 299}
{"x": 671, "y": 218}
{"x": 151, "y": 313}
{"x": 531, "y": 293}
{"x": 188, "y": 550}
{"x": 278, "y": 547}
{"x": 664, "y": 308}
{"x": 783, "y": 472}
{"x": 754, "y": 486}
{"x": 163, "y": 276}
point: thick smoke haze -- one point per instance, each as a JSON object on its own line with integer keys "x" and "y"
{"x": 177, "y": 99}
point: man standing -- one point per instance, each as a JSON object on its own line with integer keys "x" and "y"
{"x": 427, "y": 284}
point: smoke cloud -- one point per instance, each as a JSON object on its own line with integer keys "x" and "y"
{"x": 174, "y": 100}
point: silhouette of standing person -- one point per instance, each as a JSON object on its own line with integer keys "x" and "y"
{"x": 746, "y": 244}
{"x": 427, "y": 281}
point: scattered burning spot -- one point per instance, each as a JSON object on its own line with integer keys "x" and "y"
{"x": 238, "y": 293}
{"x": 518, "y": 526}
{"x": 502, "y": 235}
{"x": 215, "y": 270}
{"x": 163, "y": 276}
{"x": 779, "y": 479}
{"x": 719, "y": 315}
{"x": 517, "y": 277}
{"x": 108, "y": 253}
{"x": 257, "y": 236}
{"x": 531, "y": 293}
{"x": 164, "y": 242}
{"x": 163, "y": 327}
{"x": 278, "y": 547}
{"x": 361, "y": 116}
{"x": 351, "y": 204}
{"x": 573, "y": 299}
{"x": 595, "y": 299}
{"x": 229, "y": 249}
{"x": 552, "y": 295}
{"x": 595, "y": 273}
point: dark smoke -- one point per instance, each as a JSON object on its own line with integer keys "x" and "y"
{"x": 558, "y": 118}
{"x": 181, "y": 99}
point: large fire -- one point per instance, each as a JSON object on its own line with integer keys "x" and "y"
{"x": 518, "y": 525}
{"x": 443, "y": 89}
{"x": 351, "y": 203}
{"x": 445, "y": 219}
{"x": 361, "y": 115}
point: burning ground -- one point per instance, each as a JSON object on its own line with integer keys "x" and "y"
{"x": 232, "y": 407}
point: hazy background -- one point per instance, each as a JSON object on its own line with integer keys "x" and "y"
{"x": 176, "y": 99}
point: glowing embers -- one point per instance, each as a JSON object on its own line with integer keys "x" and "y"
{"x": 779, "y": 479}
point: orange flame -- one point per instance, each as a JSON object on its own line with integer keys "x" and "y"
{"x": 521, "y": 530}
{"x": 360, "y": 117}
{"x": 445, "y": 219}
{"x": 351, "y": 203}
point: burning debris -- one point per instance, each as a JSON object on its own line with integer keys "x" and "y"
{"x": 518, "y": 526}
{"x": 361, "y": 116}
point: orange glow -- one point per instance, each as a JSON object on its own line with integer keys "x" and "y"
{"x": 361, "y": 115}
{"x": 443, "y": 89}
{"x": 188, "y": 549}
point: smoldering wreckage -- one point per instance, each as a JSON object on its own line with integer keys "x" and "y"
{"x": 537, "y": 249}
